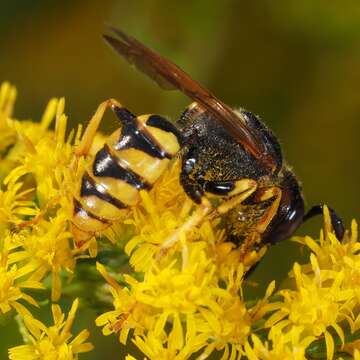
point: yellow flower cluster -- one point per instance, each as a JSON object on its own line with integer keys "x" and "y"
{"x": 35, "y": 210}
{"x": 326, "y": 295}
{"x": 36, "y": 186}
{"x": 190, "y": 298}
{"x": 12, "y": 281}
{"x": 51, "y": 343}
{"x": 173, "y": 302}
{"x": 324, "y": 304}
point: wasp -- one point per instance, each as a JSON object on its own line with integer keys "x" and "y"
{"x": 225, "y": 154}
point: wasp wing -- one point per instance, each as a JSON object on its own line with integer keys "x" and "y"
{"x": 169, "y": 76}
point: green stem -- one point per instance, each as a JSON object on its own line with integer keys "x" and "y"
{"x": 317, "y": 349}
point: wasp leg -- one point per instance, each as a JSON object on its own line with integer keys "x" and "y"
{"x": 242, "y": 190}
{"x": 91, "y": 129}
{"x": 53, "y": 202}
{"x": 254, "y": 238}
{"x": 336, "y": 221}
{"x": 264, "y": 194}
{"x": 195, "y": 218}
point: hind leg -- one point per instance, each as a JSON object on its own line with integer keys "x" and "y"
{"x": 336, "y": 221}
{"x": 91, "y": 129}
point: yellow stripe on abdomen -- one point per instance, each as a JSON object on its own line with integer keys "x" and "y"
{"x": 144, "y": 165}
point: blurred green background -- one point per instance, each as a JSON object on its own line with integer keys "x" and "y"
{"x": 295, "y": 63}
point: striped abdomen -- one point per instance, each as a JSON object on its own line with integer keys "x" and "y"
{"x": 132, "y": 158}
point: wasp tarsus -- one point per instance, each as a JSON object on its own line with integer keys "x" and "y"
{"x": 336, "y": 221}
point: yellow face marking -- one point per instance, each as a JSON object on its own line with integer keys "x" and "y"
{"x": 242, "y": 185}
{"x": 247, "y": 187}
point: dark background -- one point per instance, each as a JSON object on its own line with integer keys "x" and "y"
{"x": 295, "y": 63}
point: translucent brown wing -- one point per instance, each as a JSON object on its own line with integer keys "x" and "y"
{"x": 169, "y": 76}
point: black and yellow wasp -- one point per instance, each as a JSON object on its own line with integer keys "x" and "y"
{"x": 225, "y": 153}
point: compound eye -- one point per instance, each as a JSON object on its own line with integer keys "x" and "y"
{"x": 220, "y": 188}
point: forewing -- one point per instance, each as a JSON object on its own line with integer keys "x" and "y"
{"x": 169, "y": 76}
{"x": 135, "y": 57}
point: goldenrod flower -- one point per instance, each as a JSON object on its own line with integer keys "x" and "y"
{"x": 14, "y": 205}
{"x": 8, "y": 134}
{"x": 173, "y": 302}
{"x": 204, "y": 312}
{"x": 43, "y": 159}
{"x": 47, "y": 246}
{"x": 326, "y": 293}
{"x": 52, "y": 343}
{"x": 196, "y": 285}
{"x": 280, "y": 346}
{"x": 13, "y": 279}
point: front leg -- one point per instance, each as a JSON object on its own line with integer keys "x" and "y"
{"x": 240, "y": 191}
{"x": 254, "y": 238}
